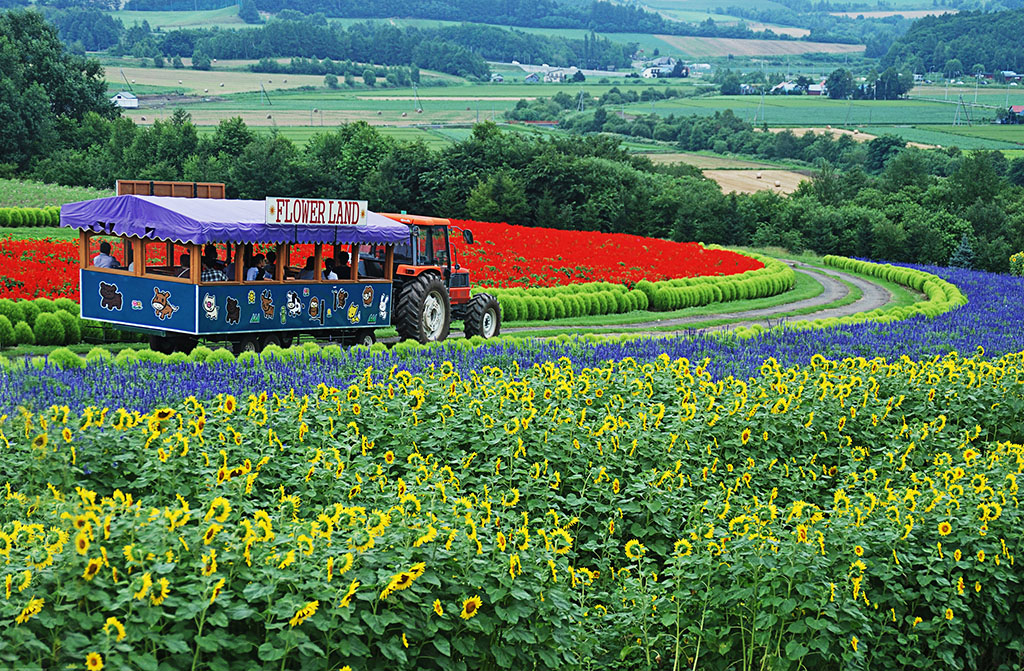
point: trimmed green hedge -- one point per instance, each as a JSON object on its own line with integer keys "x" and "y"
{"x": 14, "y": 217}
{"x": 605, "y": 298}
{"x": 42, "y": 321}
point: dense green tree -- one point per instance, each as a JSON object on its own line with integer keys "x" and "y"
{"x": 247, "y": 12}
{"x": 839, "y": 84}
{"x": 498, "y": 198}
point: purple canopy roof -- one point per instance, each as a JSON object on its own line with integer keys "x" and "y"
{"x": 202, "y": 220}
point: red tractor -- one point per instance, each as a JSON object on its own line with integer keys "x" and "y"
{"x": 431, "y": 288}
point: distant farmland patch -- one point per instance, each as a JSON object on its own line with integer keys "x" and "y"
{"x": 209, "y": 82}
{"x": 751, "y": 181}
{"x": 711, "y": 47}
{"x": 905, "y": 13}
{"x": 704, "y": 161}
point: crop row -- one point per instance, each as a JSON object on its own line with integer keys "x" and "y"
{"x": 603, "y": 298}
{"x": 843, "y": 514}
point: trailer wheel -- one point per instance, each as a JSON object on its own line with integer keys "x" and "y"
{"x": 162, "y": 344}
{"x": 423, "y": 310}
{"x": 269, "y": 339}
{"x": 364, "y": 338}
{"x": 287, "y": 340}
{"x": 247, "y": 343}
{"x": 483, "y": 316}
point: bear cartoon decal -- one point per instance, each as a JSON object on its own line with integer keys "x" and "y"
{"x": 233, "y": 311}
{"x": 368, "y": 296}
{"x": 110, "y": 297}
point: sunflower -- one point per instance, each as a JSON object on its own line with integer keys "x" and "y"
{"x": 437, "y": 608}
{"x": 40, "y": 441}
{"x": 683, "y": 548}
{"x": 94, "y": 661}
{"x": 216, "y": 590}
{"x": 66, "y": 433}
{"x": 949, "y": 613}
{"x": 981, "y": 555}
{"x": 163, "y": 414}
{"x": 615, "y": 485}
{"x": 92, "y": 568}
{"x": 211, "y": 533}
{"x": 389, "y": 457}
{"x": 32, "y": 609}
{"x": 957, "y": 554}
{"x": 113, "y": 622}
{"x": 635, "y": 549}
{"x": 470, "y": 607}
{"x": 398, "y": 582}
{"x": 945, "y": 528}
{"x": 147, "y": 582}
{"x": 81, "y": 542}
{"x": 853, "y": 642}
{"x": 858, "y": 550}
{"x": 745, "y": 436}
{"x": 304, "y": 613}
{"x": 347, "y": 599}
{"x": 502, "y": 541}
{"x": 229, "y": 404}
{"x": 158, "y": 596}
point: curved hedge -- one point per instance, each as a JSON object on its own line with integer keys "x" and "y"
{"x": 605, "y": 298}
{"x": 14, "y": 217}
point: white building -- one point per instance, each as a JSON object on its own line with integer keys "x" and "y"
{"x": 125, "y": 99}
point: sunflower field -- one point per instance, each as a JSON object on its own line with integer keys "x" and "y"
{"x": 841, "y": 514}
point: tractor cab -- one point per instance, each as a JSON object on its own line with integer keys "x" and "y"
{"x": 429, "y": 252}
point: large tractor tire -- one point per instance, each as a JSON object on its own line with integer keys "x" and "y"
{"x": 424, "y": 310}
{"x": 483, "y": 316}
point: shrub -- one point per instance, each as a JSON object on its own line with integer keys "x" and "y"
{"x": 220, "y": 355}
{"x": 6, "y": 332}
{"x": 72, "y": 327}
{"x": 49, "y": 330}
{"x": 91, "y": 331}
{"x": 99, "y": 354}
{"x": 64, "y": 358}
{"x": 200, "y": 354}
{"x": 5, "y": 217}
{"x": 127, "y": 358}
{"x": 45, "y": 305}
{"x": 67, "y": 305}
{"x": 23, "y": 334}
{"x": 12, "y": 310}
{"x": 30, "y": 310}
{"x": 16, "y": 219}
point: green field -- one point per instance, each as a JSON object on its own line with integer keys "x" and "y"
{"x": 18, "y": 193}
{"x": 1009, "y": 134}
{"x": 941, "y": 135}
{"x": 213, "y": 18}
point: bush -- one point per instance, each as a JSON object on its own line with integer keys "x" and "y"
{"x": 200, "y": 354}
{"x": 45, "y": 305}
{"x": 67, "y": 305}
{"x": 5, "y": 217}
{"x": 72, "y": 327}
{"x": 220, "y": 355}
{"x": 30, "y": 310}
{"x": 64, "y": 358}
{"x": 16, "y": 218}
{"x": 49, "y": 330}
{"x": 6, "y": 332}
{"x": 99, "y": 354}
{"x": 12, "y": 310}
{"x": 23, "y": 334}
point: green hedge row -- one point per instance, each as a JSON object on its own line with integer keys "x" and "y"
{"x": 14, "y": 217}
{"x": 774, "y": 278}
{"x": 940, "y": 297}
{"x": 605, "y": 298}
{"x": 42, "y": 321}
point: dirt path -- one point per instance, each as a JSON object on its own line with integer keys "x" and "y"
{"x": 872, "y": 296}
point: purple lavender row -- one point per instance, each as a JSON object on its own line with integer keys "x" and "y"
{"x": 992, "y": 319}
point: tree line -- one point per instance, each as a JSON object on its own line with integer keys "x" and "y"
{"x": 988, "y": 40}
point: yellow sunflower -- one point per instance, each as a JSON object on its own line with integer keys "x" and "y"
{"x": 635, "y": 549}
{"x": 945, "y": 528}
{"x": 470, "y": 607}
{"x": 437, "y": 608}
{"x": 94, "y": 661}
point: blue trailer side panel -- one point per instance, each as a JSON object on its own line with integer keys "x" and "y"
{"x": 138, "y": 301}
{"x": 293, "y": 306}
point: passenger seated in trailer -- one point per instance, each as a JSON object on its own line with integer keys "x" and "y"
{"x": 267, "y": 271}
{"x": 104, "y": 259}
{"x": 253, "y": 272}
{"x": 308, "y": 272}
{"x": 329, "y": 273}
{"x": 211, "y": 267}
{"x": 186, "y": 266}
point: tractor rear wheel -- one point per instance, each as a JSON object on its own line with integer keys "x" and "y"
{"x": 483, "y": 316}
{"x": 423, "y": 311}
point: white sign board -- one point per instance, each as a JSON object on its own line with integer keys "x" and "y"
{"x": 316, "y": 211}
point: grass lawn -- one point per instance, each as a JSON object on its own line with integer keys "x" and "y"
{"x": 22, "y": 193}
{"x": 212, "y": 18}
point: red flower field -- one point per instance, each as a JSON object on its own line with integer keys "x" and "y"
{"x": 38, "y": 268}
{"x": 520, "y": 256}
{"x": 502, "y": 256}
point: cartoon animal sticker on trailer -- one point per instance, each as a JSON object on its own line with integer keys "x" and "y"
{"x": 210, "y": 307}
{"x": 110, "y": 298}
{"x": 384, "y": 306}
{"x": 353, "y": 313}
{"x": 294, "y": 304}
{"x": 162, "y": 304}
{"x": 340, "y": 296}
{"x": 368, "y": 296}
{"x": 267, "y": 304}
{"x": 317, "y": 308}
{"x": 233, "y": 311}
